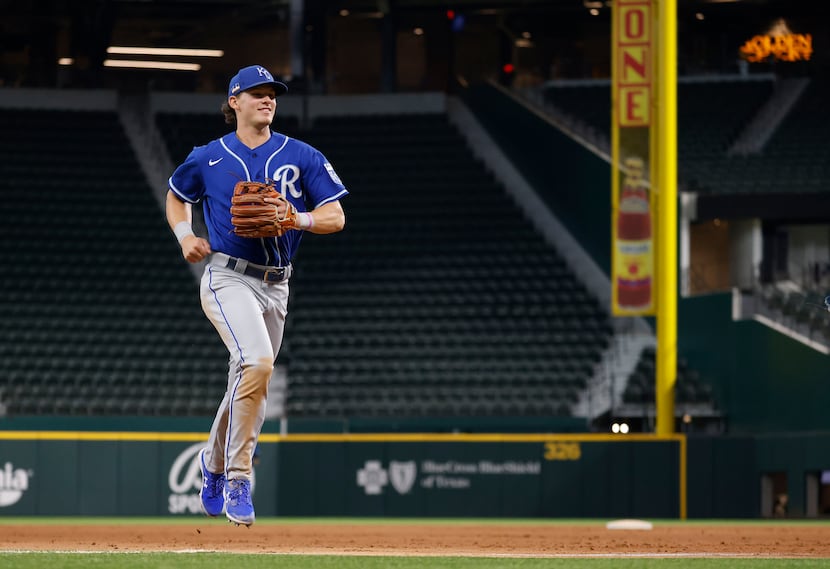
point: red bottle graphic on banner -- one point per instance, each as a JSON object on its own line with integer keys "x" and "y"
{"x": 634, "y": 258}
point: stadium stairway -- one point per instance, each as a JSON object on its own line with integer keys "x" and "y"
{"x": 581, "y": 110}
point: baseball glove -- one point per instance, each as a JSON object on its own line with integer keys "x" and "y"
{"x": 252, "y": 216}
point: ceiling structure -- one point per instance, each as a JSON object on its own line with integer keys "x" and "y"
{"x": 36, "y": 35}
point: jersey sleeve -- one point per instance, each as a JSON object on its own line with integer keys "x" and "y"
{"x": 187, "y": 181}
{"x": 322, "y": 183}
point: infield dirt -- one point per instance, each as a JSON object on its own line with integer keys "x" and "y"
{"x": 490, "y": 539}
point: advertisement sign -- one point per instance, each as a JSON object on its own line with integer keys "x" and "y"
{"x": 430, "y": 475}
{"x": 778, "y": 44}
{"x": 633, "y": 202}
{"x": 184, "y": 480}
{"x": 14, "y": 482}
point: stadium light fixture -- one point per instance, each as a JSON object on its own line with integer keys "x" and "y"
{"x": 621, "y": 428}
{"x": 66, "y": 61}
{"x": 164, "y": 51}
{"x": 138, "y": 64}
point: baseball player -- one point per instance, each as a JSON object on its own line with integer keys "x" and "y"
{"x": 244, "y": 288}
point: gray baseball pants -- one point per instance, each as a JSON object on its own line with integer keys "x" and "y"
{"x": 249, "y": 315}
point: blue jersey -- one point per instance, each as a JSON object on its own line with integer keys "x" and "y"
{"x": 300, "y": 172}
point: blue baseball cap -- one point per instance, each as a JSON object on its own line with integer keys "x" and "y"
{"x": 254, "y": 76}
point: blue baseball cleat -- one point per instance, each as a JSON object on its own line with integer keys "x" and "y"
{"x": 211, "y": 496}
{"x": 239, "y": 508}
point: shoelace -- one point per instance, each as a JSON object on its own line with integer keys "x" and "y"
{"x": 215, "y": 483}
{"x": 239, "y": 491}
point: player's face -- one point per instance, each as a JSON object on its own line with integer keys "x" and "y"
{"x": 256, "y": 106}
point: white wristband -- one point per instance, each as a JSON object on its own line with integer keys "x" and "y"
{"x": 182, "y": 230}
{"x": 305, "y": 220}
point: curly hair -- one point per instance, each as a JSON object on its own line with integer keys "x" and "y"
{"x": 230, "y": 114}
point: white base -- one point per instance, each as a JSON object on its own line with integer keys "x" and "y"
{"x": 629, "y": 524}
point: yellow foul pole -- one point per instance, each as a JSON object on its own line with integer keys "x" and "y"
{"x": 665, "y": 12}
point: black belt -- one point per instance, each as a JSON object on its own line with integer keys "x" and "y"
{"x": 265, "y": 274}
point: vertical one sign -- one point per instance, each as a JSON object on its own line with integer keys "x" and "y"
{"x": 633, "y": 204}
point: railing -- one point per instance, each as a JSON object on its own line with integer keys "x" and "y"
{"x": 798, "y": 312}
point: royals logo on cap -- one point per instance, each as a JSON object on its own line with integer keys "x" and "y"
{"x": 254, "y": 76}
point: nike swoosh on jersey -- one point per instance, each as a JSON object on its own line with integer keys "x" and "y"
{"x": 215, "y": 162}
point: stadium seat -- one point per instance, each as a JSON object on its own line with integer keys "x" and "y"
{"x": 104, "y": 315}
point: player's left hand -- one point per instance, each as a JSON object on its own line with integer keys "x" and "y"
{"x": 259, "y": 210}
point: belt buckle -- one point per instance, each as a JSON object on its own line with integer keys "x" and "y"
{"x": 274, "y": 275}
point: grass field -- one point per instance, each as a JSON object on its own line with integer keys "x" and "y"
{"x": 103, "y": 549}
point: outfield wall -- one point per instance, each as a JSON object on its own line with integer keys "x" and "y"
{"x": 481, "y": 476}
{"x": 421, "y": 475}
{"x": 135, "y": 474}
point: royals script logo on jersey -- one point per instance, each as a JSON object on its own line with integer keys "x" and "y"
{"x": 185, "y": 481}
{"x": 13, "y": 483}
{"x": 285, "y": 178}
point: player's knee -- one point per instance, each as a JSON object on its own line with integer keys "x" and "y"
{"x": 260, "y": 369}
